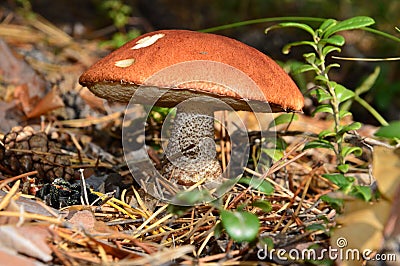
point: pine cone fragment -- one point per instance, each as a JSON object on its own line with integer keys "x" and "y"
{"x": 26, "y": 150}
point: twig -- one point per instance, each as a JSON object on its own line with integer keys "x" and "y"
{"x": 6, "y": 199}
{"x": 12, "y": 179}
{"x": 85, "y": 199}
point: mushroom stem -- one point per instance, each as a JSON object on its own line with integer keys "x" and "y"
{"x": 191, "y": 153}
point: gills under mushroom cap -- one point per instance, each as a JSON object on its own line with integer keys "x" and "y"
{"x": 118, "y": 75}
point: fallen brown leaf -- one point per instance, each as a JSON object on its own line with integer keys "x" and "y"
{"x": 16, "y": 71}
{"x": 12, "y": 258}
{"x": 48, "y": 103}
{"x": 30, "y": 240}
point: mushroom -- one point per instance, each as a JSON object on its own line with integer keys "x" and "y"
{"x": 190, "y": 153}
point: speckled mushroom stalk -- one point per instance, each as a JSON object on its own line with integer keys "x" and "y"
{"x": 191, "y": 153}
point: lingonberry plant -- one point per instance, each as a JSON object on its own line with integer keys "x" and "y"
{"x": 330, "y": 94}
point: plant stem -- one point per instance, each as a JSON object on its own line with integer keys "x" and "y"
{"x": 275, "y": 19}
{"x": 261, "y": 20}
{"x": 334, "y": 103}
{"x": 370, "y": 109}
{"x": 335, "y": 106}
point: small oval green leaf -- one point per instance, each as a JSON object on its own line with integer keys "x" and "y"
{"x": 343, "y": 94}
{"x": 336, "y": 203}
{"x": 327, "y": 24}
{"x": 267, "y": 243}
{"x": 241, "y": 226}
{"x": 258, "y": 183}
{"x": 350, "y": 24}
{"x": 391, "y": 131}
{"x": 283, "y": 119}
{"x": 326, "y": 133}
{"x": 321, "y": 95}
{"x": 298, "y": 25}
{"x": 320, "y": 143}
{"x": 368, "y": 82}
{"x": 347, "y": 128}
{"x": 315, "y": 227}
{"x": 329, "y": 49}
{"x": 323, "y": 108}
{"x": 339, "y": 180}
{"x": 191, "y": 197}
{"x": 337, "y": 40}
{"x": 328, "y": 68}
{"x": 274, "y": 154}
{"x": 264, "y": 205}
{"x": 347, "y": 150}
{"x": 287, "y": 47}
{"x": 321, "y": 78}
{"x": 344, "y": 168}
{"x": 303, "y": 68}
{"x": 362, "y": 192}
{"x": 218, "y": 230}
{"x": 177, "y": 209}
{"x": 310, "y": 58}
{"x": 343, "y": 113}
{"x": 280, "y": 143}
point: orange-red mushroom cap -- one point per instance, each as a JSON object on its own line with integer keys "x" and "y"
{"x": 118, "y": 75}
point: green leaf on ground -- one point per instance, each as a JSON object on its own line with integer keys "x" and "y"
{"x": 362, "y": 192}
{"x": 391, "y": 131}
{"x": 258, "y": 184}
{"x": 274, "y": 154}
{"x": 192, "y": 197}
{"x": 336, "y": 203}
{"x": 315, "y": 227}
{"x": 283, "y": 119}
{"x": 344, "y": 168}
{"x": 241, "y": 226}
{"x": 340, "y": 180}
{"x": 263, "y": 205}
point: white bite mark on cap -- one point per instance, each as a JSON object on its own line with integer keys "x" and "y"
{"x": 147, "y": 41}
{"x": 125, "y": 62}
